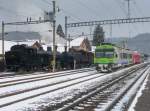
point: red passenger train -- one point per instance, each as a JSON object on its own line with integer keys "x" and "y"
{"x": 136, "y": 57}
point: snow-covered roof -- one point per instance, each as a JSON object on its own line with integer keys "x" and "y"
{"x": 29, "y": 43}
{"x": 60, "y": 47}
{"x": 77, "y": 41}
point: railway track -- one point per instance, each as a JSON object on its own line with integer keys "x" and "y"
{"x": 135, "y": 84}
{"x": 5, "y": 75}
{"x": 7, "y": 99}
{"x": 87, "y": 77}
{"x": 27, "y": 93}
{"x": 103, "y": 97}
{"x": 27, "y": 79}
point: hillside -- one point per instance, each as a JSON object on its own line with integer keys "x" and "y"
{"x": 140, "y": 42}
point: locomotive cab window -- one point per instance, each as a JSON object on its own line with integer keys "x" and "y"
{"x": 99, "y": 54}
{"x": 109, "y": 54}
{"x": 104, "y": 53}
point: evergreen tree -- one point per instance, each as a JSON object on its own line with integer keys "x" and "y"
{"x": 60, "y": 31}
{"x": 98, "y": 36}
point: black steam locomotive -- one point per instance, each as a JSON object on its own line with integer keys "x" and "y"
{"x": 28, "y": 58}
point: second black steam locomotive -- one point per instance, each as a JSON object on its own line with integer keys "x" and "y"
{"x": 29, "y": 58}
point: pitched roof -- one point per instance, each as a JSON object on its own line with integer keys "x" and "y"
{"x": 78, "y": 41}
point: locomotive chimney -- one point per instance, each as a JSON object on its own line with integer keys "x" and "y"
{"x": 65, "y": 48}
{"x": 56, "y": 48}
{"x": 49, "y": 49}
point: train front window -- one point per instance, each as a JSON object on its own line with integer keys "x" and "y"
{"x": 104, "y": 54}
{"x": 99, "y": 54}
{"x": 109, "y": 54}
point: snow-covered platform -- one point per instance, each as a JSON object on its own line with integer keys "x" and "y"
{"x": 142, "y": 100}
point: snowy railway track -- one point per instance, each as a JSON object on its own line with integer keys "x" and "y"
{"x": 135, "y": 84}
{"x": 91, "y": 75}
{"x": 44, "y": 89}
{"x": 5, "y": 75}
{"x": 104, "y": 94}
{"x": 27, "y": 79}
{"x": 36, "y": 88}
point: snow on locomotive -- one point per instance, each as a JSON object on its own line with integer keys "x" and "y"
{"x": 109, "y": 56}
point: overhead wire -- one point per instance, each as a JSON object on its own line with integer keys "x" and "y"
{"x": 120, "y": 4}
{"x": 67, "y": 13}
{"x": 16, "y": 14}
{"x": 72, "y": 16}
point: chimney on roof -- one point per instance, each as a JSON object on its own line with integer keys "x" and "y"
{"x": 82, "y": 33}
{"x": 56, "y": 48}
{"x": 40, "y": 40}
{"x": 49, "y": 49}
{"x": 65, "y": 48}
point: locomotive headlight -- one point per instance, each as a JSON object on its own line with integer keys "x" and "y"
{"x": 99, "y": 65}
{"x": 105, "y": 65}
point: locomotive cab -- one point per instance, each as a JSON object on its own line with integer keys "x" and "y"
{"x": 104, "y": 57}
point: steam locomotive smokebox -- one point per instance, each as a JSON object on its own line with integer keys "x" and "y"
{"x": 49, "y": 49}
{"x": 56, "y": 47}
{"x": 65, "y": 48}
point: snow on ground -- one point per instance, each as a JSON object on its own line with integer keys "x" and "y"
{"x": 139, "y": 93}
{"x": 126, "y": 83}
{"x": 39, "y": 91}
{"x": 122, "y": 104}
{"x": 6, "y": 73}
{"x": 37, "y": 74}
{"x": 56, "y": 96}
{"x": 23, "y": 86}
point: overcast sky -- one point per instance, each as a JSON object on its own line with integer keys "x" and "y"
{"x": 77, "y": 11}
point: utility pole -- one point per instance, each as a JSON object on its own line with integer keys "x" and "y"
{"x": 69, "y": 40}
{"x": 110, "y": 30}
{"x": 91, "y": 35}
{"x": 3, "y": 50}
{"x": 54, "y": 30}
{"x": 66, "y": 20}
{"x": 128, "y": 16}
